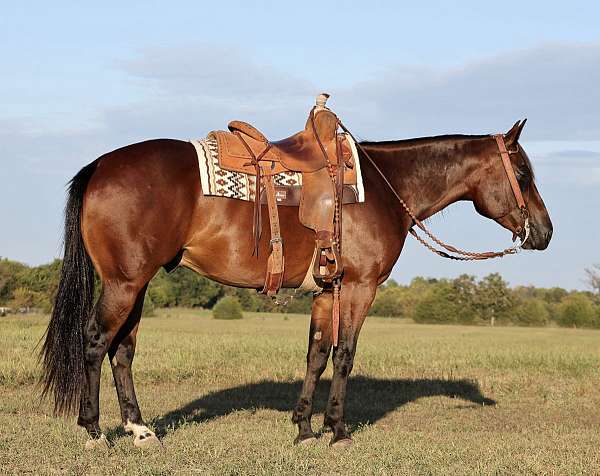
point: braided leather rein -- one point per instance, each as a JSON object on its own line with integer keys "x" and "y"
{"x": 462, "y": 255}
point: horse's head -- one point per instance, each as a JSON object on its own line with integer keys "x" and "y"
{"x": 494, "y": 197}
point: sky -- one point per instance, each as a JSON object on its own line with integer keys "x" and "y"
{"x": 79, "y": 80}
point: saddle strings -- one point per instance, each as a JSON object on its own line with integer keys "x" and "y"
{"x": 463, "y": 255}
{"x": 255, "y": 161}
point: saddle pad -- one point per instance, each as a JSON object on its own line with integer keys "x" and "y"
{"x": 217, "y": 182}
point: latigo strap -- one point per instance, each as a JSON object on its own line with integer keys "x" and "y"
{"x": 275, "y": 263}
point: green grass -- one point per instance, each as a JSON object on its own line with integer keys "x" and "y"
{"x": 221, "y": 392}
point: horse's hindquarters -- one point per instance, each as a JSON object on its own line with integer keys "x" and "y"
{"x": 138, "y": 207}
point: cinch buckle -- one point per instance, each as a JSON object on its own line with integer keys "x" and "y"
{"x": 276, "y": 240}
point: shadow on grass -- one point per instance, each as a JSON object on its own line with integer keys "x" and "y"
{"x": 368, "y": 399}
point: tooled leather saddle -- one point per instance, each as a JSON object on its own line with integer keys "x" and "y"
{"x": 324, "y": 158}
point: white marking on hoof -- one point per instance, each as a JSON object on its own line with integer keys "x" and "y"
{"x": 308, "y": 441}
{"x": 98, "y": 443}
{"x": 143, "y": 437}
{"x": 345, "y": 443}
{"x": 147, "y": 442}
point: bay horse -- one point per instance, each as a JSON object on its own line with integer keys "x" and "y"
{"x": 139, "y": 208}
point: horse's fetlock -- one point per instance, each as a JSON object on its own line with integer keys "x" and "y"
{"x": 329, "y": 421}
{"x": 297, "y": 417}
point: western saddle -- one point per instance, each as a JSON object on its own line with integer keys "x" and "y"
{"x": 324, "y": 159}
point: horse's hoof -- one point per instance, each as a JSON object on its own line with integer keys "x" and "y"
{"x": 343, "y": 443}
{"x": 306, "y": 441}
{"x": 97, "y": 443}
{"x": 146, "y": 441}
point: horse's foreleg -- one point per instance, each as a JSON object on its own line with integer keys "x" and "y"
{"x": 356, "y": 301}
{"x": 121, "y": 354}
{"x": 110, "y": 313}
{"x": 319, "y": 347}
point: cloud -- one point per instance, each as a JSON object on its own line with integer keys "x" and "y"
{"x": 200, "y": 87}
{"x": 580, "y": 154}
{"x": 574, "y": 167}
{"x": 216, "y": 73}
{"x": 570, "y": 159}
{"x": 190, "y": 90}
{"x": 555, "y": 86}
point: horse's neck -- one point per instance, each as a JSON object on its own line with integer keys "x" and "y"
{"x": 428, "y": 175}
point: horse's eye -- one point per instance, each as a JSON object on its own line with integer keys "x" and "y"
{"x": 523, "y": 177}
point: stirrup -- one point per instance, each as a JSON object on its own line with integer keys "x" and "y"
{"x": 331, "y": 254}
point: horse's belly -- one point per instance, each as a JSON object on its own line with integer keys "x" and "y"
{"x": 221, "y": 244}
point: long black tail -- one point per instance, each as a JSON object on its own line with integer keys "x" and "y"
{"x": 62, "y": 352}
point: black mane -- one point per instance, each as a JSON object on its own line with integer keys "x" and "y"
{"x": 418, "y": 140}
{"x": 448, "y": 137}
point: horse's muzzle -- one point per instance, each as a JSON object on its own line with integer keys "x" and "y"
{"x": 539, "y": 237}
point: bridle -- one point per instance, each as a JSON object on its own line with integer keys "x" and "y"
{"x": 514, "y": 184}
{"x": 458, "y": 254}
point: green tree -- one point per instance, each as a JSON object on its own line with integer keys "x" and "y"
{"x": 443, "y": 305}
{"x": 162, "y": 290}
{"x": 577, "y": 310}
{"x": 10, "y": 272}
{"x": 228, "y": 308}
{"x": 389, "y": 302}
{"x": 193, "y": 290}
{"x": 494, "y": 299}
{"x": 553, "y": 295}
{"x": 465, "y": 289}
{"x": 149, "y": 308}
{"x": 43, "y": 278}
{"x": 416, "y": 291}
{"x": 183, "y": 288}
{"x": 532, "y": 312}
{"x": 248, "y": 298}
{"x": 24, "y": 298}
{"x": 162, "y": 294}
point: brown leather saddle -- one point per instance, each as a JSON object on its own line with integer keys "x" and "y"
{"x": 324, "y": 158}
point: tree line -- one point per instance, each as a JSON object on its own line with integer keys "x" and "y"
{"x": 25, "y": 287}
{"x": 488, "y": 301}
{"x": 463, "y": 300}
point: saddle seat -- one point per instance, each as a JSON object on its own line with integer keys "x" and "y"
{"x": 300, "y": 152}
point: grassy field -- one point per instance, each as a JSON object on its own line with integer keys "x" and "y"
{"x": 422, "y": 400}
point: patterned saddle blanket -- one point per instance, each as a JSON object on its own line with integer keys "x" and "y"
{"x": 218, "y": 182}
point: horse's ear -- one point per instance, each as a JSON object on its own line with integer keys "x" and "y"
{"x": 512, "y": 136}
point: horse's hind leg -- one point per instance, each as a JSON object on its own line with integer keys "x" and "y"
{"x": 319, "y": 347}
{"x": 121, "y": 353}
{"x": 110, "y": 314}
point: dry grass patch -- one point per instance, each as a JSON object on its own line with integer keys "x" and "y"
{"x": 220, "y": 395}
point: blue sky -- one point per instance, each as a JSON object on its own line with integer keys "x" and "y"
{"x": 77, "y": 81}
